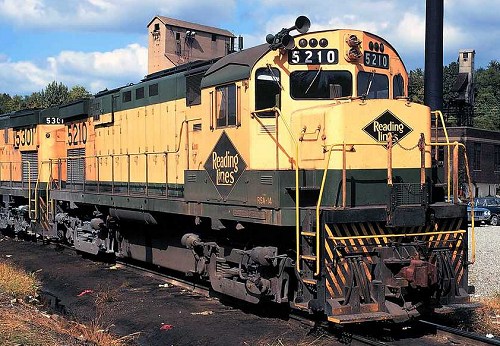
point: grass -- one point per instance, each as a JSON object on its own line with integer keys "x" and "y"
{"x": 22, "y": 323}
{"x": 487, "y": 318}
{"x": 16, "y": 282}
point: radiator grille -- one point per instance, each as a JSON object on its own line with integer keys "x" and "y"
{"x": 76, "y": 165}
{"x": 30, "y": 171}
{"x": 267, "y": 129}
{"x": 408, "y": 193}
{"x": 266, "y": 179}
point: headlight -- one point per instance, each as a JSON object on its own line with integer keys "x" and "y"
{"x": 487, "y": 212}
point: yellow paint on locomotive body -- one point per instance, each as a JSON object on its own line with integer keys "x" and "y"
{"x": 319, "y": 123}
{"x": 158, "y": 142}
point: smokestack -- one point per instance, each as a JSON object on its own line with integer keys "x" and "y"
{"x": 433, "y": 73}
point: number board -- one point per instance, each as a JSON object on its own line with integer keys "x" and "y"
{"x": 24, "y": 138}
{"x": 77, "y": 133}
{"x": 54, "y": 121}
{"x": 313, "y": 56}
{"x": 376, "y": 60}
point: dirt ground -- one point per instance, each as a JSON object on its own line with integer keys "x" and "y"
{"x": 127, "y": 303}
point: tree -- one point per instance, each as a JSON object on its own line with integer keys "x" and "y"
{"x": 16, "y": 103}
{"x": 35, "y": 100}
{"x": 487, "y": 101}
{"x": 450, "y": 74}
{"x": 78, "y": 92}
{"x": 487, "y": 92}
{"x": 55, "y": 94}
{"x": 5, "y": 100}
{"x": 416, "y": 85}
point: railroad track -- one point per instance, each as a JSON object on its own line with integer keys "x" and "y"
{"x": 348, "y": 336}
{"x": 460, "y": 336}
{"x": 456, "y": 336}
{"x": 194, "y": 287}
{"x": 204, "y": 290}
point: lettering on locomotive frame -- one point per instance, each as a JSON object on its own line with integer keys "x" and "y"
{"x": 387, "y": 123}
{"x": 224, "y": 165}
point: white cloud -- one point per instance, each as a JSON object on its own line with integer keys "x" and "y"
{"x": 113, "y": 15}
{"x": 94, "y": 70}
{"x": 467, "y": 25}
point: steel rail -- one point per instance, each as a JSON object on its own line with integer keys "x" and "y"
{"x": 462, "y": 333}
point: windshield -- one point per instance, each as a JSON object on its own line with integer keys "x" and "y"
{"x": 373, "y": 85}
{"x": 320, "y": 84}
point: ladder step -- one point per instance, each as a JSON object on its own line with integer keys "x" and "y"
{"x": 310, "y": 281}
{"x": 308, "y": 234}
{"x": 308, "y": 257}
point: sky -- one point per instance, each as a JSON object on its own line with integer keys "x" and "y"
{"x": 102, "y": 44}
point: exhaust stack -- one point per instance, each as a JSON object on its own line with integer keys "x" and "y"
{"x": 433, "y": 72}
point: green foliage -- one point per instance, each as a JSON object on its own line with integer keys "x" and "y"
{"x": 487, "y": 103}
{"x": 54, "y": 94}
{"x": 78, "y": 92}
{"x": 450, "y": 74}
{"x": 416, "y": 85}
{"x": 487, "y": 92}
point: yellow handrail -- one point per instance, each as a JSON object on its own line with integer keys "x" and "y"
{"x": 439, "y": 114}
{"x": 471, "y": 199}
{"x": 396, "y": 235}
{"x": 329, "y": 148}
{"x": 325, "y": 172}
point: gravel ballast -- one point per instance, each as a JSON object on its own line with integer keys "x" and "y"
{"x": 484, "y": 274}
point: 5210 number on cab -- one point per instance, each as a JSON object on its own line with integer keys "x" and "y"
{"x": 77, "y": 133}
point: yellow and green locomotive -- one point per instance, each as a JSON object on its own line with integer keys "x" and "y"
{"x": 295, "y": 172}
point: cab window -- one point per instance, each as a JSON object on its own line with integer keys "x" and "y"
{"x": 320, "y": 84}
{"x": 225, "y": 105}
{"x": 398, "y": 86}
{"x": 267, "y": 90}
{"x": 373, "y": 85}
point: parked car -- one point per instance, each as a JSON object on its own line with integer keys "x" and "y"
{"x": 493, "y": 205}
{"x": 480, "y": 214}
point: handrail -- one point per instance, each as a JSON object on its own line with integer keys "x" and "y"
{"x": 37, "y": 185}
{"x": 471, "y": 199}
{"x": 396, "y": 235}
{"x": 325, "y": 172}
{"x": 176, "y": 149}
{"x": 297, "y": 201}
{"x": 439, "y": 115}
{"x": 323, "y": 182}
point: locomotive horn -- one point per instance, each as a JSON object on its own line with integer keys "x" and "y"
{"x": 283, "y": 39}
{"x": 288, "y": 42}
{"x": 302, "y": 24}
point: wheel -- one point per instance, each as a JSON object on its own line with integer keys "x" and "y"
{"x": 494, "y": 220}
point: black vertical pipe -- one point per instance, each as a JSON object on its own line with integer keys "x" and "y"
{"x": 433, "y": 72}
